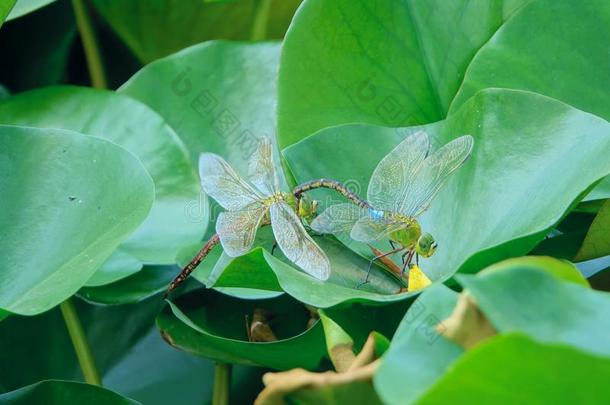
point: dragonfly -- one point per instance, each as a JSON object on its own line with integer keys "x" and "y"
{"x": 251, "y": 204}
{"x": 402, "y": 187}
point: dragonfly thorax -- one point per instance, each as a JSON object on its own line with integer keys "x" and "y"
{"x": 409, "y": 235}
{"x": 279, "y": 197}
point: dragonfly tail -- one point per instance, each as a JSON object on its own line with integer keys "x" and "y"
{"x": 189, "y": 268}
{"x": 333, "y": 185}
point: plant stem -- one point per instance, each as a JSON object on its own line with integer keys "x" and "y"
{"x": 79, "y": 341}
{"x": 261, "y": 18}
{"x": 92, "y": 51}
{"x": 222, "y": 384}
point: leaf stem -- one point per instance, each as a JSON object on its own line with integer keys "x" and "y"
{"x": 92, "y": 51}
{"x": 222, "y": 384}
{"x": 261, "y": 18}
{"x": 79, "y": 341}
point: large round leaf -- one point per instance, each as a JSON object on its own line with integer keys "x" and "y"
{"x": 215, "y": 326}
{"x": 57, "y": 392}
{"x": 68, "y": 201}
{"x": 533, "y": 158}
{"x": 393, "y": 63}
{"x": 179, "y": 214}
{"x": 571, "y": 314}
{"x": 510, "y": 61}
{"x": 515, "y": 369}
{"x": 519, "y": 58}
{"x": 402, "y": 62}
{"x": 118, "y": 266}
{"x": 187, "y": 22}
{"x": 218, "y": 96}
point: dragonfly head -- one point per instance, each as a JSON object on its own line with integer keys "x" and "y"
{"x": 307, "y": 208}
{"x": 426, "y": 245}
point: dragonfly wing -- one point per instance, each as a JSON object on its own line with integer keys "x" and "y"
{"x": 262, "y": 171}
{"x": 296, "y": 244}
{"x": 369, "y": 229}
{"x": 394, "y": 174}
{"x": 219, "y": 181}
{"x": 237, "y": 229}
{"x": 338, "y": 218}
{"x": 433, "y": 174}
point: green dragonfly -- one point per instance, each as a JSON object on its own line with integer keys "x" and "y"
{"x": 250, "y": 205}
{"x": 402, "y": 187}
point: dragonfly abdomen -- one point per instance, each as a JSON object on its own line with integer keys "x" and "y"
{"x": 333, "y": 185}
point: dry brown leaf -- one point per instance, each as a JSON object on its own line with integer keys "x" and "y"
{"x": 278, "y": 385}
{"x": 467, "y": 325}
{"x": 259, "y": 329}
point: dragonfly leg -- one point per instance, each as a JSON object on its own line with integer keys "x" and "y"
{"x": 368, "y": 271}
{"x": 417, "y": 258}
{"x": 392, "y": 243}
{"x": 409, "y": 255}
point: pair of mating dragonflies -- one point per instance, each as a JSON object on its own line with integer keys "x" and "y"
{"x": 402, "y": 186}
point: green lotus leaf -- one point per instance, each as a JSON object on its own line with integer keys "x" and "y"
{"x": 561, "y": 269}
{"x": 550, "y": 309}
{"x": 70, "y": 186}
{"x": 213, "y": 325}
{"x": 505, "y": 199}
{"x": 118, "y": 266}
{"x": 61, "y": 392}
{"x": 502, "y": 371}
{"x": 404, "y": 63}
{"x": 219, "y": 96}
{"x": 264, "y": 271}
{"x": 179, "y": 213}
{"x": 394, "y": 63}
{"x": 510, "y": 61}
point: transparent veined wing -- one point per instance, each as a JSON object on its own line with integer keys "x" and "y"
{"x": 296, "y": 244}
{"x": 394, "y": 174}
{"x": 372, "y": 228}
{"x": 219, "y": 181}
{"x": 338, "y": 218}
{"x": 261, "y": 169}
{"x": 433, "y": 174}
{"x": 237, "y": 229}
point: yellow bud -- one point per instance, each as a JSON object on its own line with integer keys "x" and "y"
{"x": 417, "y": 279}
